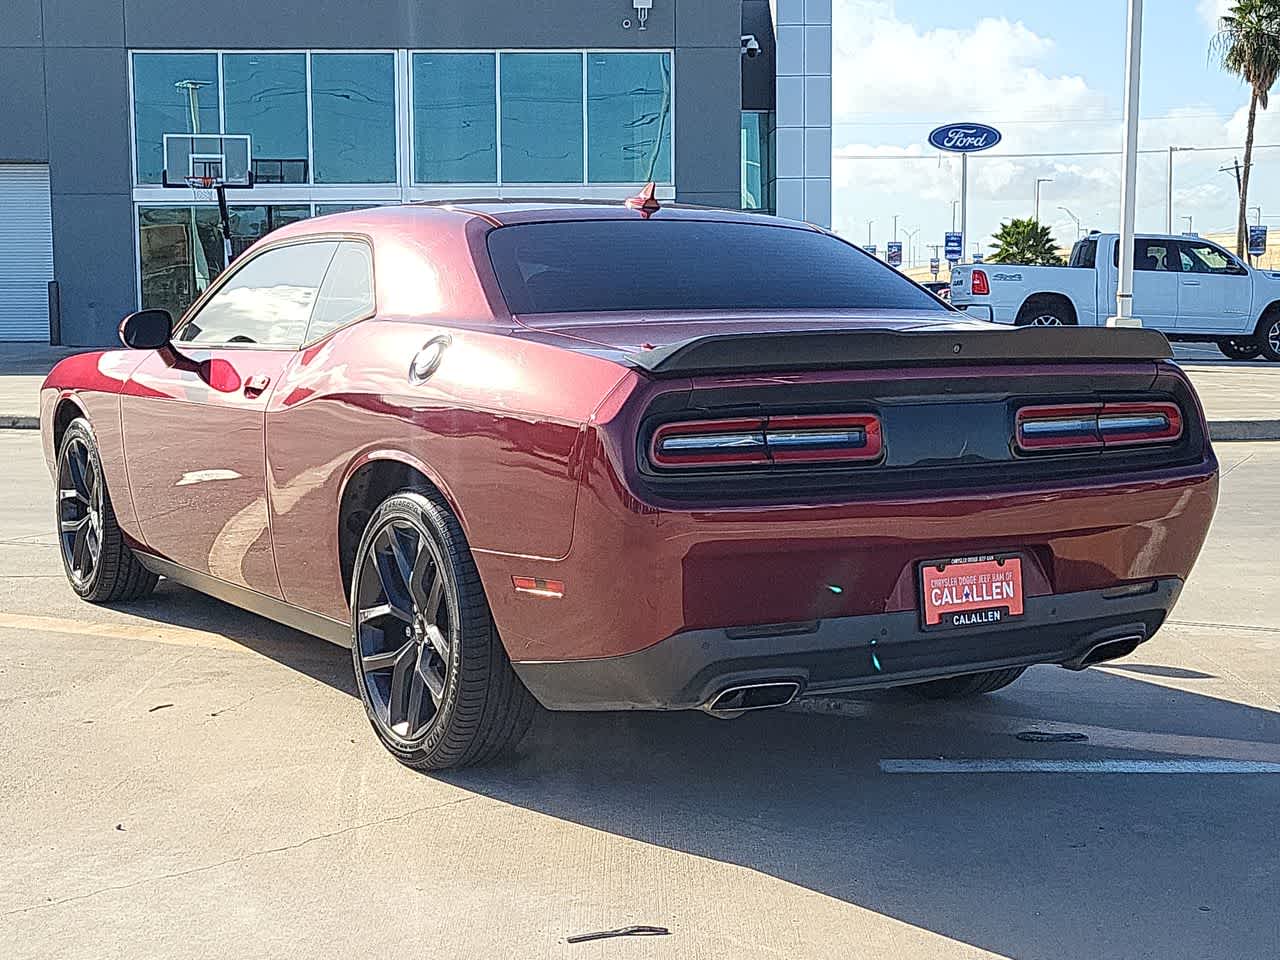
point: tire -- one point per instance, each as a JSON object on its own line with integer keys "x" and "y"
{"x": 1041, "y": 311}
{"x": 972, "y": 685}
{"x": 1268, "y": 334}
{"x": 98, "y": 562}
{"x": 433, "y": 675}
{"x": 1239, "y": 349}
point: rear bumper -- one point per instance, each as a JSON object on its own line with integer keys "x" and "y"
{"x": 839, "y": 654}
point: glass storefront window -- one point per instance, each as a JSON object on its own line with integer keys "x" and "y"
{"x": 542, "y": 117}
{"x": 323, "y": 208}
{"x": 353, "y": 117}
{"x": 249, "y": 224}
{"x": 266, "y": 97}
{"x": 629, "y": 117}
{"x": 172, "y": 93}
{"x": 181, "y": 253}
{"x": 455, "y": 118}
{"x": 757, "y": 161}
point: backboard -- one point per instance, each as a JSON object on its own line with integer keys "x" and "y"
{"x": 225, "y": 158}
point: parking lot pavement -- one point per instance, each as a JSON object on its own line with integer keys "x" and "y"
{"x": 179, "y": 779}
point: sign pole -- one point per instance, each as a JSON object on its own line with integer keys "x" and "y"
{"x": 964, "y": 202}
{"x": 1128, "y": 183}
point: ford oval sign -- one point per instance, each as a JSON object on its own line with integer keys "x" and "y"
{"x": 965, "y": 137}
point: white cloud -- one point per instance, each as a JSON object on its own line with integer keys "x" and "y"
{"x": 895, "y": 80}
{"x": 1211, "y": 11}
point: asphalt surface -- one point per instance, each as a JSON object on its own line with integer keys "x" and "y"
{"x": 179, "y": 779}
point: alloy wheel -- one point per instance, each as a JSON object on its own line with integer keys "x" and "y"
{"x": 1273, "y": 336}
{"x": 1046, "y": 320}
{"x": 405, "y": 629}
{"x": 80, "y": 510}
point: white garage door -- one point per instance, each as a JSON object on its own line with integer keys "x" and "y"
{"x": 26, "y": 251}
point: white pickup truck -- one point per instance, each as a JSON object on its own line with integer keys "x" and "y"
{"x": 1188, "y": 288}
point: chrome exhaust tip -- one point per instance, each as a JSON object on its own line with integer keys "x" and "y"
{"x": 736, "y": 700}
{"x": 1111, "y": 649}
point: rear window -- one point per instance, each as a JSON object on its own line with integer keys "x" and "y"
{"x": 590, "y": 266}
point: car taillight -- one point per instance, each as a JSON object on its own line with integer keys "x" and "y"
{"x": 978, "y": 284}
{"x": 819, "y": 438}
{"x": 1097, "y": 425}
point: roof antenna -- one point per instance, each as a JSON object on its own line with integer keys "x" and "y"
{"x": 645, "y": 201}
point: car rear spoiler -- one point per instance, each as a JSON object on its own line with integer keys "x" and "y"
{"x": 842, "y": 349}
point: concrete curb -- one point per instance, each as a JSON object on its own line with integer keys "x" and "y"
{"x": 1220, "y": 430}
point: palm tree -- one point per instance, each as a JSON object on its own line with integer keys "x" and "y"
{"x": 1248, "y": 44}
{"x": 1026, "y": 242}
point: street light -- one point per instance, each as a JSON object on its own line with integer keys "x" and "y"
{"x": 911, "y": 253}
{"x": 869, "y": 223}
{"x": 1129, "y": 174}
{"x": 1188, "y": 219}
{"x": 1257, "y": 215}
{"x": 1076, "y": 220}
{"x": 895, "y": 225}
{"x": 1168, "y": 203}
{"x": 1040, "y": 180}
{"x": 954, "y": 204}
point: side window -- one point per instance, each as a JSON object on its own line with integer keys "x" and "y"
{"x": 347, "y": 291}
{"x": 267, "y": 301}
{"x": 1201, "y": 257}
{"x": 1084, "y": 254}
{"x": 1155, "y": 255}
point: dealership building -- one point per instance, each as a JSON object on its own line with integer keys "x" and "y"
{"x": 112, "y": 107}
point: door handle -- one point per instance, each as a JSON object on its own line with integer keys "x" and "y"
{"x": 1191, "y": 283}
{"x": 256, "y": 384}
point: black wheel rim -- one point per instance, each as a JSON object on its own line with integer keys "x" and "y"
{"x": 1273, "y": 337}
{"x": 405, "y": 629}
{"x": 81, "y": 498}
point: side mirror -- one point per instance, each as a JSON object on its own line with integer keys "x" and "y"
{"x": 146, "y": 329}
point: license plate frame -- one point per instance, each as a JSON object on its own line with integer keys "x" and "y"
{"x": 988, "y": 603}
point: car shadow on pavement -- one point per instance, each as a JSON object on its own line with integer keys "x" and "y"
{"x": 1057, "y": 866}
{"x": 1068, "y": 867}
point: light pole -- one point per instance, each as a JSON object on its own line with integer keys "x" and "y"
{"x": 1257, "y": 216}
{"x": 1168, "y": 203}
{"x": 1188, "y": 219}
{"x": 1076, "y": 220}
{"x": 911, "y": 247}
{"x": 869, "y": 223}
{"x": 895, "y": 225}
{"x": 1129, "y": 177}
{"x": 954, "y": 204}
{"x": 1040, "y": 180}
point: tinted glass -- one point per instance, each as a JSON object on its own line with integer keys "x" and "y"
{"x": 180, "y": 250}
{"x": 588, "y": 266}
{"x": 266, "y": 97}
{"x": 347, "y": 291}
{"x": 757, "y": 161}
{"x": 1158, "y": 256}
{"x": 542, "y": 117}
{"x": 353, "y": 109}
{"x": 249, "y": 224}
{"x": 268, "y": 301}
{"x": 166, "y": 87}
{"x": 629, "y": 117}
{"x": 1084, "y": 254}
{"x": 455, "y": 118}
{"x": 1200, "y": 257}
{"x": 323, "y": 208}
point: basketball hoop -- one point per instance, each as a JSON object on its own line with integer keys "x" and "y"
{"x": 203, "y": 189}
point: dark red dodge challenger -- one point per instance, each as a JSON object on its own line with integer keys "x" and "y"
{"x": 612, "y": 457}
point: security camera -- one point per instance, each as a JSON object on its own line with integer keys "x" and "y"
{"x": 750, "y": 46}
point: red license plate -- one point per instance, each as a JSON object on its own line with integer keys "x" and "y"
{"x": 970, "y": 592}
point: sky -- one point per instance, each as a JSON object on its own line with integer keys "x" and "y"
{"x": 1050, "y": 76}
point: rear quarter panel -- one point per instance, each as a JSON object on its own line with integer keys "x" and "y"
{"x": 498, "y": 429}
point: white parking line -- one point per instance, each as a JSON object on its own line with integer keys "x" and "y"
{"x": 1016, "y": 765}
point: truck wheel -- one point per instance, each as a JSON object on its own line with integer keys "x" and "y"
{"x": 1268, "y": 335}
{"x": 1239, "y": 349}
{"x": 432, "y": 672}
{"x": 1046, "y": 312}
{"x": 972, "y": 685}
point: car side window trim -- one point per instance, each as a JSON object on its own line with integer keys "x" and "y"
{"x": 308, "y": 340}
{"x": 229, "y": 274}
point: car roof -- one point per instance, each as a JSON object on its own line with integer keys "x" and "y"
{"x": 512, "y": 211}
